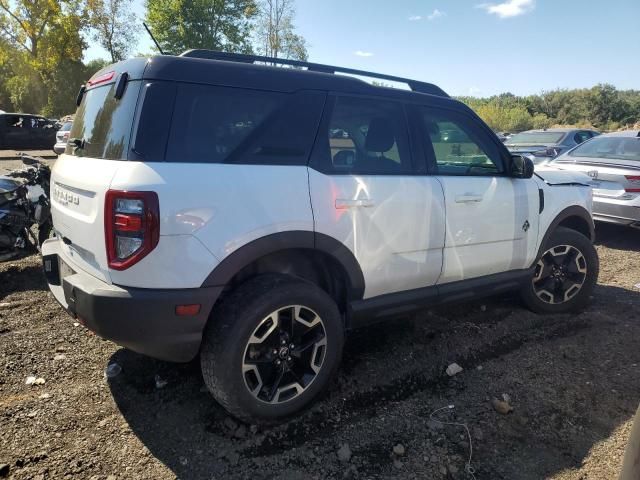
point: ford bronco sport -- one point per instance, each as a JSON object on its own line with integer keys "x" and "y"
{"x": 211, "y": 204}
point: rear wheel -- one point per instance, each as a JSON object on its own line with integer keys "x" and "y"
{"x": 271, "y": 347}
{"x": 565, "y": 274}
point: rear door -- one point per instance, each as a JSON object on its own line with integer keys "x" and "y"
{"x": 491, "y": 218}
{"x": 82, "y": 175}
{"x": 367, "y": 193}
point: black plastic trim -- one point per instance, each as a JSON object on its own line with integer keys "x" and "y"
{"x": 373, "y": 310}
{"x": 276, "y": 242}
{"x": 415, "y": 85}
{"x": 573, "y": 211}
{"x": 541, "y": 197}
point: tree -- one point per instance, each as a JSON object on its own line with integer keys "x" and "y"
{"x": 223, "y": 25}
{"x": 114, "y": 26}
{"x": 275, "y": 32}
{"x": 41, "y": 39}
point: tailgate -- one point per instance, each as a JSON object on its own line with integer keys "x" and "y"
{"x": 78, "y": 187}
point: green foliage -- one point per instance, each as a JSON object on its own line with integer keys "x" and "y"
{"x": 223, "y": 25}
{"x": 41, "y": 49}
{"x": 602, "y": 107}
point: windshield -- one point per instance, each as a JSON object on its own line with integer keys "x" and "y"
{"x": 536, "y": 138}
{"x": 622, "y": 148}
{"x": 103, "y": 123}
{"x": 66, "y": 127}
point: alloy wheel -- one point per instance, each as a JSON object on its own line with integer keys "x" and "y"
{"x": 559, "y": 274}
{"x": 284, "y": 354}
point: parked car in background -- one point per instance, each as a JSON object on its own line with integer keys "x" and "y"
{"x": 24, "y": 131}
{"x": 503, "y": 136}
{"x": 542, "y": 146}
{"x": 612, "y": 161}
{"x": 62, "y": 136}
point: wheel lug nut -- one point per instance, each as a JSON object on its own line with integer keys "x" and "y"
{"x": 289, "y": 359}
{"x": 292, "y": 346}
{"x": 274, "y": 351}
{"x": 278, "y": 362}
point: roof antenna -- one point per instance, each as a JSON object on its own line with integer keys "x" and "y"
{"x": 153, "y": 38}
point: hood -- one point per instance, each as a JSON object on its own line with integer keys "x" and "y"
{"x": 556, "y": 176}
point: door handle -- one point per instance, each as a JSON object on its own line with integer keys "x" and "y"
{"x": 468, "y": 198}
{"x": 344, "y": 203}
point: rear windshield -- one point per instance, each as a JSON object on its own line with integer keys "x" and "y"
{"x": 66, "y": 127}
{"x": 103, "y": 123}
{"x": 535, "y": 138}
{"x": 622, "y": 148}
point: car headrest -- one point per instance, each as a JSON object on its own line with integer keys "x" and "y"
{"x": 380, "y": 136}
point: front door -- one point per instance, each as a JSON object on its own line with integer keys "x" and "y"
{"x": 491, "y": 218}
{"x": 366, "y": 193}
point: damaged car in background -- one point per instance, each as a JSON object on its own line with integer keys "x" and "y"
{"x": 612, "y": 162}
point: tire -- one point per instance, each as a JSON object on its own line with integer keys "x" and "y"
{"x": 255, "y": 326}
{"x": 565, "y": 274}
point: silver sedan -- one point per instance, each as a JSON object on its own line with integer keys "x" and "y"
{"x": 613, "y": 162}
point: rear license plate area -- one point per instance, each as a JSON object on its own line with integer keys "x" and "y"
{"x": 55, "y": 269}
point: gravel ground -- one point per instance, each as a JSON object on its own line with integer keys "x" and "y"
{"x": 572, "y": 380}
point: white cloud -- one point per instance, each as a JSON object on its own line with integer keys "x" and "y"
{"x": 474, "y": 91}
{"x": 360, "y": 53}
{"x": 415, "y": 18}
{"x": 509, "y": 8}
{"x": 436, "y": 14}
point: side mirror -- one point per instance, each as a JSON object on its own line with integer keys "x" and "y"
{"x": 521, "y": 167}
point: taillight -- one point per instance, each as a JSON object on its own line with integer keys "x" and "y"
{"x": 635, "y": 180}
{"x": 65, "y": 135}
{"x": 105, "y": 77}
{"x": 131, "y": 226}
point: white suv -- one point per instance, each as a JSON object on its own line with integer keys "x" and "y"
{"x": 250, "y": 214}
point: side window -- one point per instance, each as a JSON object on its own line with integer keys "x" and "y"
{"x": 459, "y": 148}
{"x": 366, "y": 136}
{"x": 14, "y": 122}
{"x": 581, "y": 137}
{"x": 210, "y": 123}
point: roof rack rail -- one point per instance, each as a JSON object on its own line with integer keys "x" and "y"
{"x": 416, "y": 86}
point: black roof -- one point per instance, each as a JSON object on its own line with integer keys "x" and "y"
{"x": 235, "y": 70}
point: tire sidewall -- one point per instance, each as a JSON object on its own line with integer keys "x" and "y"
{"x": 230, "y": 332}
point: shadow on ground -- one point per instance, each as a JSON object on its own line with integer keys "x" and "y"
{"x": 570, "y": 377}
{"x": 618, "y": 237}
{"x": 21, "y": 279}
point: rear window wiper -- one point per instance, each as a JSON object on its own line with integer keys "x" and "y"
{"x": 77, "y": 143}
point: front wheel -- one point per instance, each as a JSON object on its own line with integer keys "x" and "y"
{"x": 565, "y": 274}
{"x": 271, "y": 347}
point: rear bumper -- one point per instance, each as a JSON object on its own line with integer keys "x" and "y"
{"x": 615, "y": 211}
{"x": 59, "y": 148}
{"x": 143, "y": 320}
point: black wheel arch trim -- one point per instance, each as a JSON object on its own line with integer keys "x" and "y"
{"x": 573, "y": 211}
{"x": 299, "y": 239}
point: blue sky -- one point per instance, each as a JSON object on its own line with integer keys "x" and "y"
{"x": 473, "y": 47}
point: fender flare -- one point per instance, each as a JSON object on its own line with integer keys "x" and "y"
{"x": 573, "y": 211}
{"x": 299, "y": 239}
